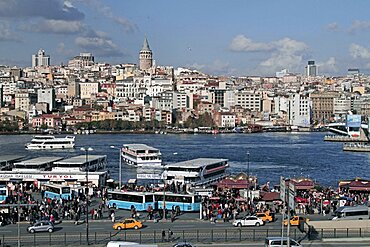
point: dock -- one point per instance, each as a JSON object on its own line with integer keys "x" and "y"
{"x": 338, "y": 138}
{"x": 357, "y": 147}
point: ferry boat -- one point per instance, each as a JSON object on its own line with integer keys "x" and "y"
{"x": 199, "y": 171}
{"x": 51, "y": 142}
{"x": 81, "y": 163}
{"x": 72, "y": 170}
{"x": 141, "y": 155}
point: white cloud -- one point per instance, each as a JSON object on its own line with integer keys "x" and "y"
{"x": 328, "y": 66}
{"x": 48, "y": 9}
{"x": 99, "y": 43}
{"x": 61, "y": 48}
{"x": 106, "y": 11}
{"x": 55, "y": 26}
{"x": 332, "y": 26}
{"x": 357, "y": 51}
{"x": 217, "y": 67}
{"x": 288, "y": 53}
{"x": 285, "y": 53}
{"x": 244, "y": 44}
{"x": 359, "y": 26}
{"x": 6, "y": 34}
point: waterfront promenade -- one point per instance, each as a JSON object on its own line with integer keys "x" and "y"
{"x": 271, "y": 154}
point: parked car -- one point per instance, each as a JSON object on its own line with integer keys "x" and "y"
{"x": 295, "y": 220}
{"x": 248, "y": 221}
{"x": 128, "y": 224}
{"x": 41, "y": 226}
{"x": 183, "y": 244}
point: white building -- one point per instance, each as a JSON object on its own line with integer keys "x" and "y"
{"x": 40, "y": 59}
{"x": 46, "y": 95}
{"x": 227, "y": 120}
{"x": 341, "y": 107}
{"x": 311, "y": 69}
{"x": 299, "y": 112}
{"x": 249, "y": 100}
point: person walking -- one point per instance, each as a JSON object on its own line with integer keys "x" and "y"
{"x": 170, "y": 235}
{"x": 163, "y": 235}
{"x": 113, "y": 217}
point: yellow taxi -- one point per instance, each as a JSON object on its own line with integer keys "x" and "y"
{"x": 128, "y": 224}
{"x": 295, "y": 220}
{"x": 266, "y": 217}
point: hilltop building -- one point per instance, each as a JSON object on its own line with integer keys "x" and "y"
{"x": 146, "y": 56}
{"x": 311, "y": 69}
{"x": 40, "y": 59}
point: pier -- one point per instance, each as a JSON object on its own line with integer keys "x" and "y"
{"x": 356, "y": 147}
{"x": 338, "y": 138}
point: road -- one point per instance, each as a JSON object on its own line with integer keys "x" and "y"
{"x": 187, "y": 227}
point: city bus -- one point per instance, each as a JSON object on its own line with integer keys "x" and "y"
{"x": 128, "y": 199}
{"x": 57, "y": 191}
{"x": 360, "y": 212}
{"x": 4, "y": 193}
{"x": 186, "y": 202}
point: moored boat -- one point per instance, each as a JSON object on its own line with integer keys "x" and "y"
{"x": 51, "y": 142}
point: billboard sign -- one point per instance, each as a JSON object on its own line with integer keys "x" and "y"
{"x": 148, "y": 176}
{"x": 353, "y": 121}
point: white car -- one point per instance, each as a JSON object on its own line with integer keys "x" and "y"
{"x": 248, "y": 221}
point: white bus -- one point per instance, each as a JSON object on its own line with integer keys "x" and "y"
{"x": 360, "y": 212}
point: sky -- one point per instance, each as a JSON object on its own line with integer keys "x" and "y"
{"x": 219, "y": 37}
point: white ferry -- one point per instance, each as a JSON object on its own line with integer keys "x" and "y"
{"x": 81, "y": 163}
{"x": 51, "y": 142}
{"x": 41, "y": 170}
{"x": 199, "y": 171}
{"x": 141, "y": 155}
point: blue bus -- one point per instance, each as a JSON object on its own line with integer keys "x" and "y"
{"x": 57, "y": 191}
{"x": 4, "y": 193}
{"x": 128, "y": 199}
{"x": 142, "y": 200}
{"x": 186, "y": 202}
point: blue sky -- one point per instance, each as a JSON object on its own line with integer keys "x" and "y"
{"x": 220, "y": 37}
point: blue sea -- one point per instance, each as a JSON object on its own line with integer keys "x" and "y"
{"x": 271, "y": 154}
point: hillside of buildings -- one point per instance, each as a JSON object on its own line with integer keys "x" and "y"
{"x": 84, "y": 94}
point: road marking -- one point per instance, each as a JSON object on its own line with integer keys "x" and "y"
{"x": 180, "y": 226}
{"x": 96, "y": 228}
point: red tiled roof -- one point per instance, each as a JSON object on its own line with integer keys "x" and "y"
{"x": 271, "y": 196}
{"x": 233, "y": 184}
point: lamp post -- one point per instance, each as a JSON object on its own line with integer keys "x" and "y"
{"x": 120, "y": 167}
{"x": 248, "y": 196}
{"x": 164, "y": 197}
{"x": 86, "y": 150}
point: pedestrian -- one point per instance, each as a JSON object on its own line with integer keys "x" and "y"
{"x": 172, "y": 216}
{"x": 113, "y": 217}
{"x": 170, "y": 234}
{"x": 163, "y": 235}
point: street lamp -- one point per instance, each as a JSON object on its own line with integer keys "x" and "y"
{"x": 86, "y": 150}
{"x": 248, "y": 196}
{"x": 120, "y": 167}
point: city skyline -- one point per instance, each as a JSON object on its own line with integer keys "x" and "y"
{"x": 218, "y": 37}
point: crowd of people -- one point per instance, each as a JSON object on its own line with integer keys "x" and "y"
{"x": 221, "y": 205}
{"x": 55, "y": 210}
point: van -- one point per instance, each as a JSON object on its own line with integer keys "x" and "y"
{"x": 359, "y": 212}
{"x": 276, "y": 242}
{"x": 132, "y": 244}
